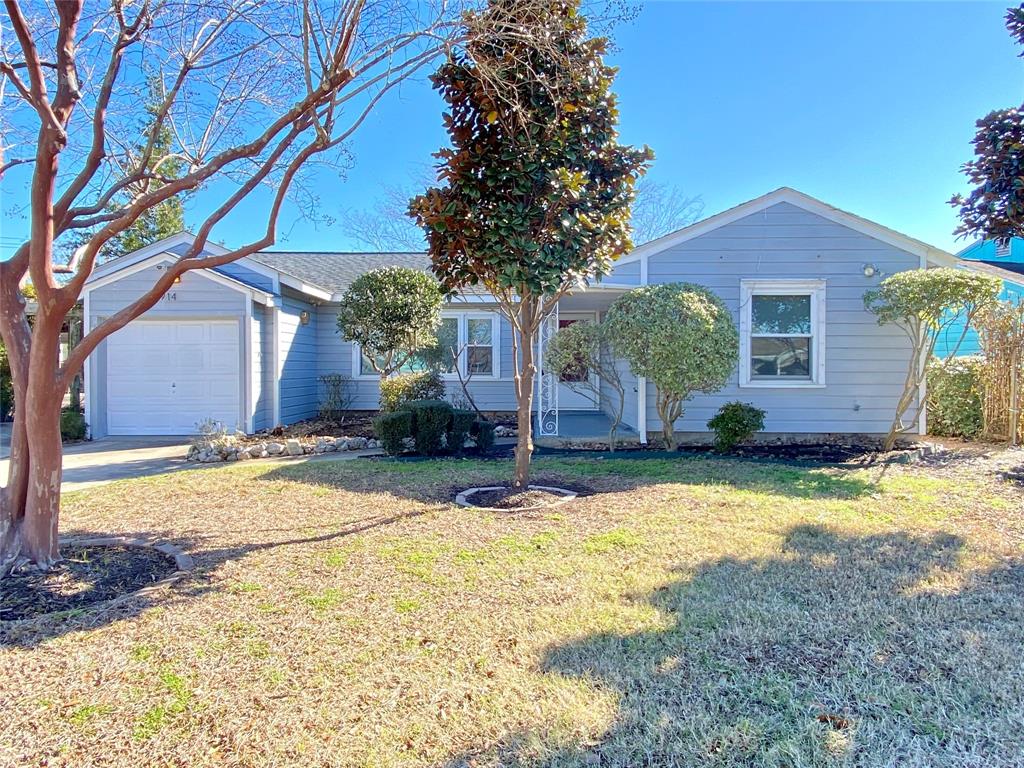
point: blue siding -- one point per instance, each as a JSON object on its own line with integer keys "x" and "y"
{"x": 983, "y": 250}
{"x": 335, "y": 356}
{"x": 970, "y": 345}
{"x": 298, "y": 361}
{"x": 865, "y": 363}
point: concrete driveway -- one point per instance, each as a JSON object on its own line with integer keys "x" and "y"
{"x": 115, "y": 458}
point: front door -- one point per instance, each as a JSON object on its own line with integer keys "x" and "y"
{"x": 577, "y": 398}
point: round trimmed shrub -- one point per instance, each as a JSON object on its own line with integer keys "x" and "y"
{"x": 735, "y": 423}
{"x": 398, "y": 390}
{"x": 681, "y": 337}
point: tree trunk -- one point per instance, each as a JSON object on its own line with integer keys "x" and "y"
{"x": 30, "y": 502}
{"x": 669, "y": 409}
{"x": 526, "y": 376}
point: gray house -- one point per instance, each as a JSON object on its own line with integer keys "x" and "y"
{"x": 245, "y": 343}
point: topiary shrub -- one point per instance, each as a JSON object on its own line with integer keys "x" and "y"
{"x": 954, "y": 397}
{"x": 406, "y": 387}
{"x": 924, "y": 303}
{"x": 391, "y": 313}
{"x": 681, "y": 337}
{"x": 458, "y": 429}
{"x": 483, "y": 434}
{"x": 72, "y": 425}
{"x": 735, "y": 423}
{"x": 430, "y": 420}
{"x": 392, "y": 429}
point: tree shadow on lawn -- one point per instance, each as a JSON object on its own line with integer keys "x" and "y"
{"x": 439, "y": 480}
{"x": 842, "y": 649}
{"x": 200, "y": 581}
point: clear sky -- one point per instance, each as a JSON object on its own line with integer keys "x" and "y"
{"x": 868, "y": 106}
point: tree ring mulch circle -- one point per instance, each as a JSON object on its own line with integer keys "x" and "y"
{"x": 94, "y": 572}
{"x": 501, "y": 498}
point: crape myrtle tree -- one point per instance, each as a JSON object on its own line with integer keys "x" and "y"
{"x": 535, "y": 190}
{"x": 924, "y": 304}
{"x": 678, "y": 335}
{"x": 392, "y": 313}
{"x": 994, "y": 209}
{"x": 578, "y": 350}
{"x": 249, "y": 93}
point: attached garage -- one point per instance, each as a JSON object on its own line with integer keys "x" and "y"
{"x": 165, "y": 376}
{"x": 204, "y": 351}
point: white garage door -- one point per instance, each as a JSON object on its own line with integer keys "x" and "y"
{"x": 163, "y": 377}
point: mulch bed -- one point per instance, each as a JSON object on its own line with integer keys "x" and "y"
{"x": 87, "y": 576}
{"x": 511, "y": 500}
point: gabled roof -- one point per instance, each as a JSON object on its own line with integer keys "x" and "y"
{"x": 1010, "y": 273}
{"x": 334, "y": 271}
{"x": 928, "y": 253}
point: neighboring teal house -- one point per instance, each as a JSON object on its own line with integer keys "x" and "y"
{"x": 1003, "y": 261}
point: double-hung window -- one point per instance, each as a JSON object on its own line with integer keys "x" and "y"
{"x": 466, "y": 340}
{"x": 782, "y": 333}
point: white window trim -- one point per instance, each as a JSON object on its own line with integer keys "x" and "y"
{"x": 463, "y": 318}
{"x": 813, "y": 288}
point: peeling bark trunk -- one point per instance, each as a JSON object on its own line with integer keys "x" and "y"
{"x": 30, "y": 502}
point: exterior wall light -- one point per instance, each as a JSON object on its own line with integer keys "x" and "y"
{"x": 304, "y": 317}
{"x": 870, "y": 270}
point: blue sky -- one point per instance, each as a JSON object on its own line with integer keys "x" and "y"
{"x": 868, "y": 106}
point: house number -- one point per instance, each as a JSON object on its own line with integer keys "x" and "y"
{"x": 171, "y": 296}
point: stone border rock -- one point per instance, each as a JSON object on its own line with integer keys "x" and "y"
{"x": 292, "y": 447}
{"x": 182, "y": 561}
{"x": 462, "y": 499}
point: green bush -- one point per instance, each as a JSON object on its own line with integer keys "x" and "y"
{"x": 735, "y": 423}
{"x": 483, "y": 434}
{"x": 458, "y": 429}
{"x": 392, "y": 429}
{"x": 954, "y": 397}
{"x": 398, "y": 390}
{"x": 72, "y": 425}
{"x": 430, "y": 420}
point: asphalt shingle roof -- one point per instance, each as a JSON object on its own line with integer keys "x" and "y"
{"x": 335, "y": 271}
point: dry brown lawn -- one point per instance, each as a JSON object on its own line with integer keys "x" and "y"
{"x": 691, "y": 612}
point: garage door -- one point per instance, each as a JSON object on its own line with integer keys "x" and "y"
{"x": 164, "y": 377}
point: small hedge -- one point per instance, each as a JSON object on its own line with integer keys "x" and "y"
{"x": 404, "y": 388}
{"x": 459, "y": 429}
{"x": 392, "y": 429}
{"x": 954, "y": 397}
{"x": 72, "y": 425}
{"x": 430, "y": 420}
{"x": 735, "y": 423}
{"x": 483, "y": 434}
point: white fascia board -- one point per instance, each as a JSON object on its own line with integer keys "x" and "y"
{"x": 302, "y": 287}
{"x": 927, "y": 253}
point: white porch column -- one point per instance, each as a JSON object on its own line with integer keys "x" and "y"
{"x": 547, "y": 382}
{"x": 641, "y": 408}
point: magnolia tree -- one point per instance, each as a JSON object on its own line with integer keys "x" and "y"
{"x": 994, "y": 209}
{"x": 679, "y": 336}
{"x": 924, "y": 304}
{"x": 109, "y": 114}
{"x": 583, "y": 348}
{"x": 391, "y": 313}
{"x": 535, "y": 190}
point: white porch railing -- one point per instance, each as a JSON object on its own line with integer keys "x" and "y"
{"x": 547, "y": 382}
